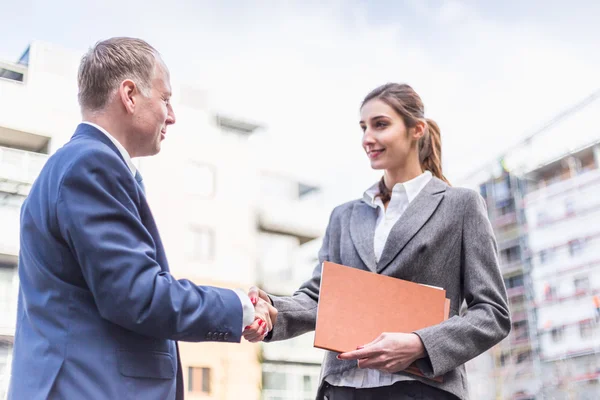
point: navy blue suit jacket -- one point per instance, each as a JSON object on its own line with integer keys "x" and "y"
{"x": 98, "y": 311}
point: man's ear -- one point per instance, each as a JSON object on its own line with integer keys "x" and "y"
{"x": 128, "y": 92}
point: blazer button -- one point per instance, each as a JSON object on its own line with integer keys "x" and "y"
{"x": 226, "y": 336}
{"x": 221, "y": 336}
{"x": 215, "y": 336}
{"x": 209, "y": 336}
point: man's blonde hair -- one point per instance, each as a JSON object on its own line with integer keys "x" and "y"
{"x": 110, "y": 62}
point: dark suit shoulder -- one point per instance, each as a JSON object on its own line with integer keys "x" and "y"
{"x": 84, "y": 154}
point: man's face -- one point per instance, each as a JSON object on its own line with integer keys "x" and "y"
{"x": 154, "y": 114}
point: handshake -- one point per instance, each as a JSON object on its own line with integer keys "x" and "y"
{"x": 265, "y": 316}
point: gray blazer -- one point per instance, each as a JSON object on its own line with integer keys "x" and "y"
{"x": 444, "y": 238}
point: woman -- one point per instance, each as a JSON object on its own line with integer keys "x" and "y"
{"x": 411, "y": 225}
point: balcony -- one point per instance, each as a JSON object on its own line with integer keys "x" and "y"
{"x": 19, "y": 169}
{"x": 508, "y": 236}
{"x": 506, "y": 219}
{"x": 515, "y": 291}
{"x": 509, "y": 267}
{"x": 519, "y": 337}
{"x": 564, "y": 187}
{"x": 298, "y": 218}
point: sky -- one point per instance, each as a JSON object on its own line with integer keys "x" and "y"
{"x": 489, "y": 73}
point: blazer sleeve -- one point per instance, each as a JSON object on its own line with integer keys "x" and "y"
{"x": 298, "y": 314}
{"x": 101, "y": 225}
{"x": 487, "y": 319}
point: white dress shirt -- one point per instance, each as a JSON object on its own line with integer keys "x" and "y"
{"x": 247, "y": 307}
{"x": 402, "y": 195}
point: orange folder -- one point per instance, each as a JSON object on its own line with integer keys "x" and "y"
{"x": 356, "y": 306}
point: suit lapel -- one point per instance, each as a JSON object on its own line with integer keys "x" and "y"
{"x": 362, "y": 232}
{"x": 416, "y": 215}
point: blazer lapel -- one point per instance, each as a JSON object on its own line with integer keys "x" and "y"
{"x": 362, "y": 232}
{"x": 416, "y": 215}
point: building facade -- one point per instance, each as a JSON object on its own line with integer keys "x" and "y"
{"x": 562, "y": 207}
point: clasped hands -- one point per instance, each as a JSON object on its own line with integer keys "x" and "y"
{"x": 265, "y": 316}
{"x": 389, "y": 352}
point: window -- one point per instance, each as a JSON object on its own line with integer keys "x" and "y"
{"x": 483, "y": 190}
{"x": 200, "y": 179}
{"x": 575, "y": 247}
{"x": 514, "y": 281}
{"x": 274, "y": 381}
{"x": 549, "y": 292}
{"x": 581, "y": 284}
{"x": 546, "y": 256}
{"x": 520, "y": 331}
{"x": 510, "y": 255}
{"x": 199, "y": 380}
{"x": 586, "y": 329}
{"x": 202, "y": 247}
{"x": 508, "y": 208}
{"x": 236, "y": 126}
{"x": 558, "y": 334}
{"x": 304, "y": 190}
{"x": 524, "y": 356}
{"x": 569, "y": 207}
{"x": 289, "y": 381}
{"x": 502, "y": 192}
{"x": 504, "y": 359}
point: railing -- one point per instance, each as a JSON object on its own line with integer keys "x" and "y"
{"x": 20, "y": 166}
{"x": 507, "y": 235}
{"x": 515, "y": 291}
{"x": 510, "y": 266}
{"x": 502, "y": 220}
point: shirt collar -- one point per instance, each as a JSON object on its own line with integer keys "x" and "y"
{"x": 410, "y": 188}
{"x": 118, "y": 145}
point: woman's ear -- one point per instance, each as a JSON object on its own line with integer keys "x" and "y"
{"x": 419, "y": 130}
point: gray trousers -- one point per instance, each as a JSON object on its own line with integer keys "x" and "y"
{"x": 403, "y": 390}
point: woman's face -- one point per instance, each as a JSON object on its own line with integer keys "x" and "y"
{"x": 386, "y": 139}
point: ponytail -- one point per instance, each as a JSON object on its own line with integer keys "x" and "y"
{"x": 430, "y": 150}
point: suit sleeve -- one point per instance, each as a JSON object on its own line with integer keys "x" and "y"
{"x": 487, "y": 319}
{"x": 297, "y": 314}
{"x": 100, "y": 223}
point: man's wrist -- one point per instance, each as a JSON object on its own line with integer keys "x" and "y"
{"x": 247, "y": 308}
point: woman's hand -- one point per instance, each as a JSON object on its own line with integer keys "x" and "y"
{"x": 264, "y": 319}
{"x": 390, "y": 352}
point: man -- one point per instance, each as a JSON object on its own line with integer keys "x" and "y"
{"x": 99, "y": 312}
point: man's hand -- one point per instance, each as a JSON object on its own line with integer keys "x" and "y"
{"x": 390, "y": 352}
{"x": 265, "y": 316}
